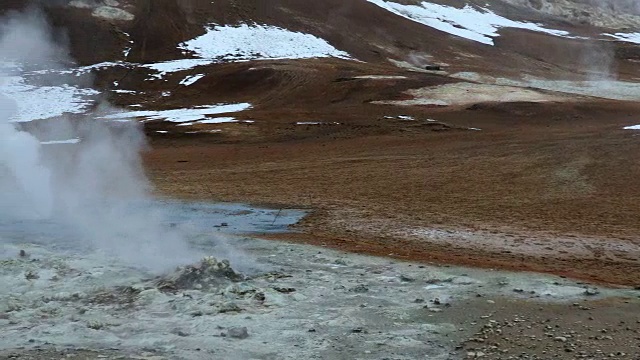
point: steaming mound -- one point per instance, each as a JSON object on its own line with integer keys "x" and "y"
{"x": 209, "y": 273}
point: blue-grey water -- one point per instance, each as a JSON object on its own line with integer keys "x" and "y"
{"x": 192, "y": 218}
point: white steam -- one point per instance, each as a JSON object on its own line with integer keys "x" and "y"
{"x": 96, "y": 187}
{"x": 27, "y": 192}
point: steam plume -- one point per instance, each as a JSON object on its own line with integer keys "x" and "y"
{"x": 97, "y": 187}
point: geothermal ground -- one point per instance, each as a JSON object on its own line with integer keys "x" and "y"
{"x": 427, "y": 180}
{"x": 293, "y": 301}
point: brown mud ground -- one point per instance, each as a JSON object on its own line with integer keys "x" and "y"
{"x": 550, "y": 187}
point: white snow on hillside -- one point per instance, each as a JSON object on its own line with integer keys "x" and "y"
{"x": 247, "y": 42}
{"x": 43, "y": 102}
{"x": 481, "y": 25}
{"x": 190, "y": 80}
{"x": 182, "y": 115}
{"x": 216, "y": 120}
{"x": 626, "y": 37}
{"x": 228, "y": 44}
{"x": 172, "y": 66}
{"x": 257, "y": 42}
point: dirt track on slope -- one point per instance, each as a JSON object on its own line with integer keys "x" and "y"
{"x": 549, "y": 187}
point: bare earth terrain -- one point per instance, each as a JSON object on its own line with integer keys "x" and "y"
{"x": 541, "y": 187}
{"x": 468, "y": 185}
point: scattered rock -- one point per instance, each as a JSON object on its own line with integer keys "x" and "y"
{"x": 179, "y": 332}
{"x": 340, "y": 262}
{"x": 31, "y": 275}
{"x": 360, "y": 289}
{"x": 476, "y": 355}
{"x": 238, "y": 333}
{"x": 405, "y": 278}
{"x": 95, "y": 325}
{"x": 229, "y": 308}
{"x": 591, "y": 292}
{"x": 209, "y": 273}
{"x": 112, "y": 13}
{"x": 120, "y": 295}
{"x": 284, "y": 290}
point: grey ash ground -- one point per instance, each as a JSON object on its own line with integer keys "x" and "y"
{"x": 309, "y": 302}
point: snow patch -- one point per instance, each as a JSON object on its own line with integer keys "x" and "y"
{"x": 218, "y": 120}
{"x": 44, "y": 102}
{"x": 634, "y": 127}
{"x": 258, "y": 42}
{"x": 626, "y": 37}
{"x": 121, "y": 91}
{"x": 182, "y": 115}
{"x": 316, "y": 123}
{"x": 190, "y": 80}
{"x": 476, "y": 24}
{"x": 204, "y": 132}
{"x": 244, "y": 43}
{"x": 166, "y": 67}
{"x": 381, "y": 77}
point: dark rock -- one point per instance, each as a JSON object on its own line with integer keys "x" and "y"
{"x": 359, "y": 289}
{"x": 209, "y": 273}
{"x": 238, "y": 333}
{"x": 284, "y": 290}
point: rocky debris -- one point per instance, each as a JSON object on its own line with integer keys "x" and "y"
{"x": 180, "y": 332}
{"x": 119, "y": 295}
{"x": 359, "y": 289}
{"x": 591, "y": 292}
{"x": 238, "y": 333}
{"x": 259, "y": 296}
{"x": 229, "y": 307}
{"x": 562, "y": 334}
{"x": 80, "y": 354}
{"x": 283, "y": 290}
{"x": 209, "y": 273}
{"x": 96, "y": 325}
{"x": 405, "y": 278}
{"x": 341, "y": 262}
{"x": 106, "y": 9}
{"x": 31, "y": 275}
{"x": 475, "y": 355}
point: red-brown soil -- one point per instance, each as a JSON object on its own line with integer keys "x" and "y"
{"x": 538, "y": 182}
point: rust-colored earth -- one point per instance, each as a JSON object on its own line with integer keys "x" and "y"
{"x": 549, "y": 187}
